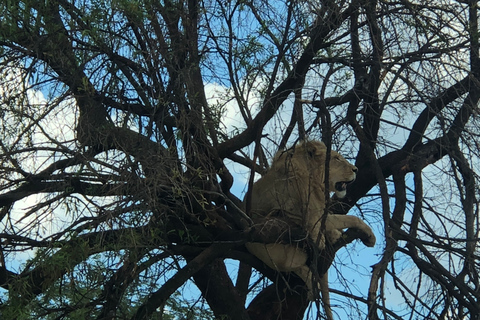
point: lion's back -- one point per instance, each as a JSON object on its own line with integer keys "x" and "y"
{"x": 292, "y": 187}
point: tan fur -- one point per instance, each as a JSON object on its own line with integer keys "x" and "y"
{"x": 294, "y": 188}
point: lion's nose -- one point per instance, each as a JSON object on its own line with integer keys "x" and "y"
{"x": 355, "y": 169}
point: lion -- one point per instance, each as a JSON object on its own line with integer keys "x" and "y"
{"x": 293, "y": 190}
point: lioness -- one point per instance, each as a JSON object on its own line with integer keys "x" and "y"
{"x": 294, "y": 188}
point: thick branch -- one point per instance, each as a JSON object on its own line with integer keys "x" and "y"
{"x": 67, "y": 186}
{"x": 432, "y": 109}
{"x": 217, "y": 288}
{"x": 195, "y": 265}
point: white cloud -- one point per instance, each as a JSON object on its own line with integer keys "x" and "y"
{"x": 221, "y": 98}
{"x": 30, "y": 123}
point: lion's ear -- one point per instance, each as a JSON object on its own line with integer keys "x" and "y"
{"x": 314, "y": 148}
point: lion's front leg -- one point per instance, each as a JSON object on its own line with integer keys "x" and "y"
{"x": 316, "y": 234}
{"x": 335, "y": 223}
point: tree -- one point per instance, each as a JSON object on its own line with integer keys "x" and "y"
{"x": 118, "y": 169}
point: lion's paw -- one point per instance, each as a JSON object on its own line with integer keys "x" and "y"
{"x": 369, "y": 239}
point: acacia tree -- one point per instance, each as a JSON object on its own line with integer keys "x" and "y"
{"x": 119, "y": 157}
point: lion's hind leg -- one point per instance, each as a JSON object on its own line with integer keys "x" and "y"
{"x": 284, "y": 258}
{"x": 325, "y": 293}
{"x": 280, "y": 257}
{"x": 321, "y": 287}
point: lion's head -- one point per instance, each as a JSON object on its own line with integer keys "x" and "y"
{"x": 341, "y": 174}
{"x": 308, "y": 160}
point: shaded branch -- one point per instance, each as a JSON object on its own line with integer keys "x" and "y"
{"x": 217, "y": 288}
{"x": 432, "y": 109}
{"x": 159, "y": 297}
